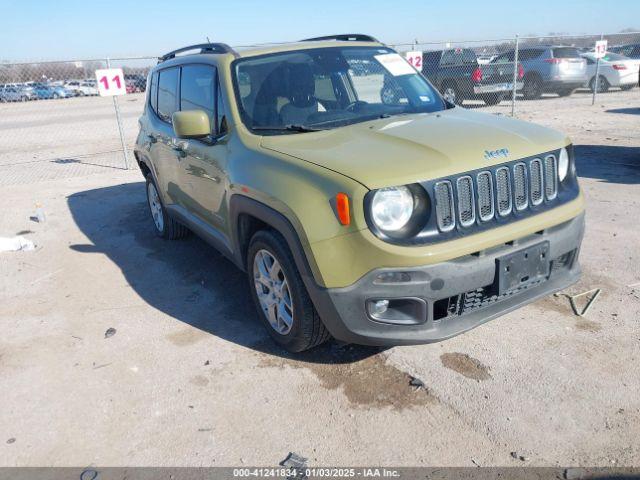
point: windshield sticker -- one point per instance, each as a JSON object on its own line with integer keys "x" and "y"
{"x": 395, "y": 64}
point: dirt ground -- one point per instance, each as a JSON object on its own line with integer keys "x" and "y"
{"x": 191, "y": 378}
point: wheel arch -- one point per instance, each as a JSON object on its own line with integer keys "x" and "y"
{"x": 248, "y": 216}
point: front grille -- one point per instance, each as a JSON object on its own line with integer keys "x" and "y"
{"x": 551, "y": 177}
{"x": 445, "y": 213}
{"x": 496, "y": 192}
{"x": 466, "y": 208}
{"x": 503, "y": 191}
{"x": 520, "y": 193}
{"x": 485, "y": 196}
{"x": 535, "y": 173}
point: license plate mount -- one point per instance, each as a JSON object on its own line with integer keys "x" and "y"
{"x": 522, "y": 267}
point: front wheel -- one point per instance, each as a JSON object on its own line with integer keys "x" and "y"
{"x": 624, "y": 88}
{"x": 280, "y": 296}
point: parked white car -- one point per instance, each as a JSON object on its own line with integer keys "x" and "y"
{"x": 615, "y": 70}
{"x": 81, "y": 88}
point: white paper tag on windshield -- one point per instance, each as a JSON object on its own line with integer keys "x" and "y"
{"x": 395, "y": 64}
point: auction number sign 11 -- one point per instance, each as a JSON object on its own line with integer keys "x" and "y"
{"x": 111, "y": 82}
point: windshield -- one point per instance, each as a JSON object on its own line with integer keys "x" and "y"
{"x": 328, "y": 87}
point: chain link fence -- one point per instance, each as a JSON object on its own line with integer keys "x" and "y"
{"x": 54, "y": 125}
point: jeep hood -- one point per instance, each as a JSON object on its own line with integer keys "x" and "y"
{"x": 410, "y": 148}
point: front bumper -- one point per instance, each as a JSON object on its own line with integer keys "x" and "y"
{"x": 465, "y": 285}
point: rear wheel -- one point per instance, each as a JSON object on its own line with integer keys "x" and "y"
{"x": 451, "y": 94}
{"x": 281, "y": 298}
{"x": 532, "y": 88}
{"x": 603, "y": 84}
{"x": 166, "y": 227}
{"x": 627, "y": 87}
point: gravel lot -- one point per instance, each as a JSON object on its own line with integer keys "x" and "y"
{"x": 191, "y": 378}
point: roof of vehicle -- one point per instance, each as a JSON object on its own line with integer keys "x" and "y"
{"x": 343, "y": 40}
{"x": 303, "y": 45}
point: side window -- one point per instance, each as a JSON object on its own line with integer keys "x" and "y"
{"x": 197, "y": 89}
{"x": 167, "y": 93}
{"x": 153, "y": 92}
{"x": 221, "y": 117}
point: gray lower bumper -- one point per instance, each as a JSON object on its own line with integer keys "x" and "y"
{"x": 344, "y": 311}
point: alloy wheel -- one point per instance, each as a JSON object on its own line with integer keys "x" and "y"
{"x": 155, "y": 206}
{"x": 272, "y": 289}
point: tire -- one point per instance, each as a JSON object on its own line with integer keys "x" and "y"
{"x": 532, "y": 88}
{"x": 624, "y": 88}
{"x": 24, "y": 98}
{"x": 451, "y": 93}
{"x": 303, "y": 329}
{"x": 56, "y": 96}
{"x": 492, "y": 99}
{"x": 165, "y": 226}
{"x": 566, "y": 92}
{"x": 80, "y": 93}
{"x": 603, "y": 84}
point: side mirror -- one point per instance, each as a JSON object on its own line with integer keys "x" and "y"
{"x": 191, "y": 124}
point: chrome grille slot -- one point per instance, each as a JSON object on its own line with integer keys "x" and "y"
{"x": 520, "y": 193}
{"x": 503, "y": 191}
{"x": 485, "y": 196}
{"x": 550, "y": 177}
{"x": 445, "y": 212}
{"x": 466, "y": 207}
{"x": 535, "y": 178}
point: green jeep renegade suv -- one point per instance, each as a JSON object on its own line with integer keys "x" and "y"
{"x": 362, "y": 205}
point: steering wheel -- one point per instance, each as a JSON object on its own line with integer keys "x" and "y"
{"x": 353, "y": 106}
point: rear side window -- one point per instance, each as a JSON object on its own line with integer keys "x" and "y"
{"x": 167, "y": 93}
{"x": 566, "y": 52}
{"x": 614, "y": 57}
{"x": 153, "y": 92}
{"x": 451, "y": 57}
{"x": 431, "y": 58}
{"x": 197, "y": 89}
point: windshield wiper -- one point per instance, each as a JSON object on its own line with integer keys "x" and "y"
{"x": 288, "y": 128}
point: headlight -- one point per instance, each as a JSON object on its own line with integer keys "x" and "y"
{"x": 563, "y": 164}
{"x": 392, "y": 208}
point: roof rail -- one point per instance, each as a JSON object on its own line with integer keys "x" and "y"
{"x": 345, "y": 37}
{"x": 203, "y": 47}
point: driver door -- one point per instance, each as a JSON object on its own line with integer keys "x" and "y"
{"x": 204, "y": 162}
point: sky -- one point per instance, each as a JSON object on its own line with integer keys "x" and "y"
{"x": 34, "y": 30}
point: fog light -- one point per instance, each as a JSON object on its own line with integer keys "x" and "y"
{"x": 379, "y": 307}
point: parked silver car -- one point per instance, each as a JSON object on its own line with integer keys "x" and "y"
{"x": 551, "y": 69}
{"x": 16, "y": 94}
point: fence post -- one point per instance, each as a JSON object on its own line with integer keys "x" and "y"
{"x": 515, "y": 77}
{"x": 595, "y": 84}
{"x": 120, "y": 130}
